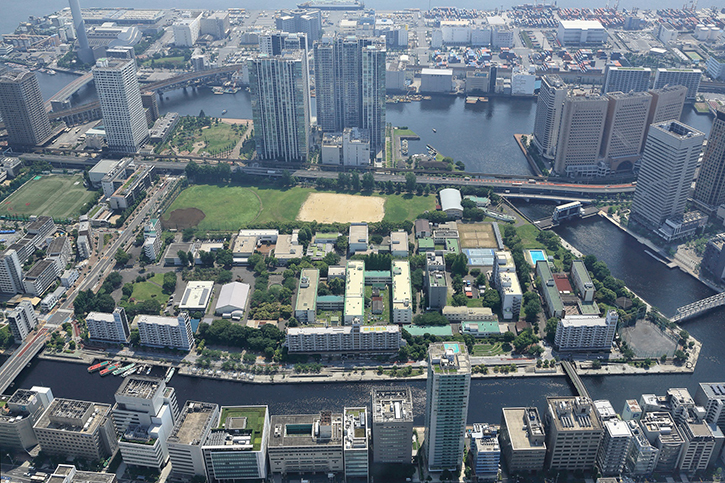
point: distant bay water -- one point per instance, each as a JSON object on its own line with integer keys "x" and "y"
{"x": 15, "y": 11}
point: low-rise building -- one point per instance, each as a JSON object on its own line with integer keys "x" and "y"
{"x": 306, "y": 302}
{"x": 50, "y": 300}
{"x": 586, "y": 332}
{"x": 369, "y": 339}
{"x": 171, "y": 255}
{"x": 402, "y": 293}
{"x": 468, "y": 314}
{"x": 354, "y": 292}
{"x": 236, "y": 450}
{"x": 358, "y": 238}
{"x": 190, "y": 431}
{"x": 306, "y": 443}
{"x": 19, "y": 414}
{"x": 233, "y": 299}
{"x": 582, "y": 280}
{"x": 288, "y": 248}
{"x": 451, "y": 202}
{"x": 196, "y": 296}
{"x": 523, "y": 439}
{"x": 163, "y": 127}
{"x": 399, "y": 243}
{"x": 81, "y": 429}
{"x": 69, "y": 474}
{"x": 69, "y": 277}
{"x": 483, "y": 329}
{"x": 172, "y": 332}
{"x": 549, "y": 291}
{"x": 108, "y": 327}
{"x": 423, "y": 228}
{"x": 392, "y": 425}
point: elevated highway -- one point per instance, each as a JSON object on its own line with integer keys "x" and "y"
{"x": 22, "y": 357}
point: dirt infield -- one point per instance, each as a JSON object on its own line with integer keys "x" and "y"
{"x": 476, "y": 235}
{"x": 184, "y": 218}
{"x": 332, "y": 208}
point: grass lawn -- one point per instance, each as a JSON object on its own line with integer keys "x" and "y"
{"x": 231, "y": 207}
{"x": 405, "y": 132}
{"x": 178, "y": 61}
{"x": 528, "y": 234}
{"x": 483, "y": 350}
{"x": 407, "y": 207}
{"x": 57, "y": 196}
{"x": 148, "y": 290}
{"x": 219, "y": 137}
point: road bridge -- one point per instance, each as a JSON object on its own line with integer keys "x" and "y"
{"x": 694, "y": 309}
{"x": 61, "y": 100}
{"x": 571, "y": 373}
{"x": 21, "y": 358}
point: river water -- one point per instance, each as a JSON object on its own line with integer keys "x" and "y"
{"x": 482, "y": 137}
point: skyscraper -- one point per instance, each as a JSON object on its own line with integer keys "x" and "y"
{"x": 120, "y": 97}
{"x": 280, "y": 107}
{"x": 549, "y": 107}
{"x": 85, "y": 53}
{"x": 625, "y": 128}
{"x": 668, "y": 167}
{"x": 667, "y": 103}
{"x": 626, "y": 79}
{"x": 350, "y": 86}
{"x": 710, "y": 186}
{"x": 448, "y": 388}
{"x": 22, "y": 109}
{"x": 580, "y": 135}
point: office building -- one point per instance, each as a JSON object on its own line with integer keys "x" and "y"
{"x": 580, "y": 135}
{"x": 710, "y": 185}
{"x": 584, "y": 333}
{"x": 186, "y": 30}
{"x": 120, "y": 97}
{"x": 689, "y": 78}
{"x": 306, "y": 443}
{"x": 573, "y": 434}
{"x": 280, "y": 106}
{"x": 716, "y": 67}
{"x": 615, "y": 447}
{"x": 582, "y": 32}
{"x": 350, "y": 86}
{"x": 642, "y": 458}
{"x": 662, "y": 433}
{"x": 711, "y": 396}
{"x": 523, "y": 439}
{"x": 626, "y": 79}
{"x": 305, "y": 21}
{"x": 22, "y": 320}
{"x": 39, "y": 279}
{"x": 20, "y": 412}
{"x": 666, "y": 173}
{"x": 274, "y": 43}
{"x": 191, "y": 429}
{"x": 667, "y": 104}
{"x": 486, "y": 452}
{"x": 447, "y": 391}
{"x": 144, "y": 415}
{"x": 625, "y": 129}
{"x": 392, "y": 425}
{"x": 437, "y": 288}
{"x": 108, "y": 327}
{"x": 237, "y": 448}
{"x": 713, "y": 261}
{"x": 69, "y": 474}
{"x": 172, "y": 332}
{"x": 11, "y": 273}
{"x": 370, "y": 339}
{"x": 22, "y": 109}
{"x": 81, "y": 429}
{"x": 402, "y": 293}
{"x": 698, "y": 447}
{"x": 549, "y": 107}
{"x": 355, "y": 443}
{"x": 306, "y": 302}
{"x": 215, "y": 24}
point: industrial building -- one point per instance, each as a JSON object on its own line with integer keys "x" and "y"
{"x": 233, "y": 299}
{"x": 392, "y": 425}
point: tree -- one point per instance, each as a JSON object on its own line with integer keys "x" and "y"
{"x": 225, "y": 258}
{"x": 183, "y": 257}
{"x": 115, "y": 279}
{"x": 127, "y": 289}
{"x": 430, "y": 318}
{"x": 550, "y": 329}
{"x": 416, "y": 279}
{"x": 355, "y": 181}
{"x": 341, "y": 244}
{"x": 460, "y": 265}
{"x": 169, "y": 284}
{"x": 207, "y": 258}
{"x": 368, "y": 182}
{"x": 532, "y": 309}
{"x": 287, "y": 179}
{"x": 122, "y": 257}
{"x": 225, "y": 276}
{"x": 492, "y": 299}
{"x": 410, "y": 182}
{"x": 525, "y": 339}
{"x": 680, "y": 356}
{"x": 187, "y": 234}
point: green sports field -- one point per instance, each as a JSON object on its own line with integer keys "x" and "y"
{"x": 228, "y": 208}
{"x": 58, "y": 196}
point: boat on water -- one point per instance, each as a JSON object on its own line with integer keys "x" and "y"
{"x": 404, "y": 147}
{"x": 106, "y": 371}
{"x": 148, "y": 371}
{"x": 231, "y": 90}
{"x": 333, "y": 5}
{"x": 170, "y": 374}
{"x": 434, "y": 129}
{"x": 98, "y": 367}
{"x": 121, "y": 370}
{"x": 130, "y": 371}
{"x": 224, "y": 111}
{"x": 217, "y": 90}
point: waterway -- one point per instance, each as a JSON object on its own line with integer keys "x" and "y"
{"x": 16, "y": 11}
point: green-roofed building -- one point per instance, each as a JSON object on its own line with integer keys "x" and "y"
{"x": 452, "y": 246}
{"x": 330, "y": 302}
{"x": 482, "y": 328}
{"x": 378, "y": 277}
{"x": 426, "y": 245}
{"x": 554, "y": 304}
{"x": 438, "y": 330}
